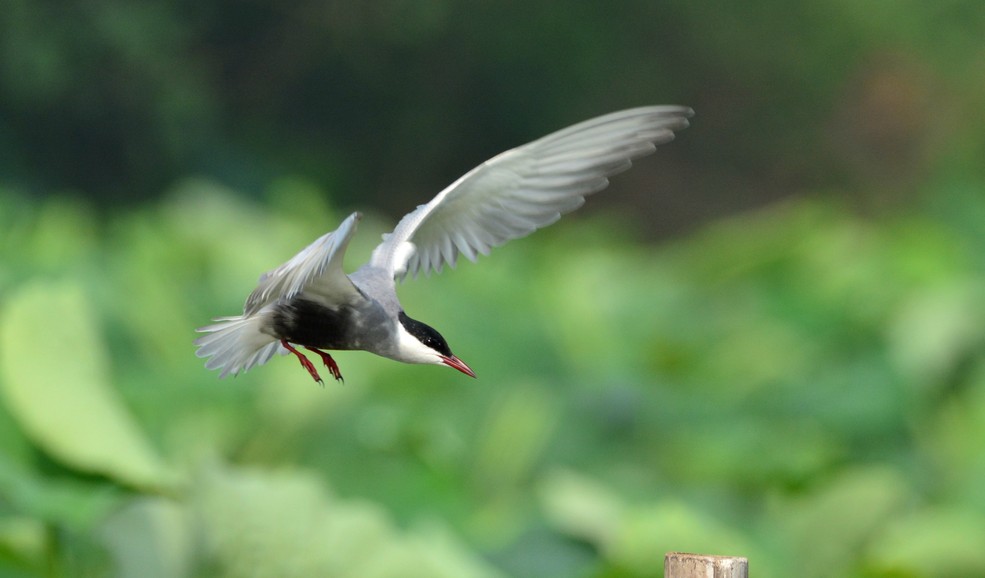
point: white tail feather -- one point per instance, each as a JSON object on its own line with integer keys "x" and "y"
{"x": 235, "y": 344}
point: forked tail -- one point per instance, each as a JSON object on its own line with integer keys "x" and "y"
{"x": 235, "y": 344}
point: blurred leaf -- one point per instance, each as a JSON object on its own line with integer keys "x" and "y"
{"x": 935, "y": 330}
{"x": 950, "y": 444}
{"x": 634, "y": 536}
{"x": 517, "y": 430}
{"x": 149, "y": 538}
{"x": 279, "y": 524}
{"x": 64, "y": 234}
{"x": 944, "y": 542}
{"x": 426, "y": 552}
{"x": 13, "y": 444}
{"x": 286, "y": 524}
{"x": 582, "y": 508}
{"x": 785, "y": 449}
{"x": 825, "y": 529}
{"x": 23, "y": 544}
{"x": 68, "y": 503}
{"x": 55, "y": 374}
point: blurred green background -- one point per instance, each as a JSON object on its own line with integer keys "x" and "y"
{"x": 765, "y": 340}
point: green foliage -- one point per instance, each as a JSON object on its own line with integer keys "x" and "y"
{"x": 84, "y": 425}
{"x": 800, "y": 385}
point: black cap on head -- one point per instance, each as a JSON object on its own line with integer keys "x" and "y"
{"x": 425, "y": 334}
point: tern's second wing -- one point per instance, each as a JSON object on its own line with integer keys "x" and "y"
{"x": 316, "y": 269}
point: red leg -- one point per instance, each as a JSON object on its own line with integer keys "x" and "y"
{"x": 329, "y": 363}
{"x": 304, "y": 361}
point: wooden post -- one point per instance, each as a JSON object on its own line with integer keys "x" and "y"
{"x": 681, "y": 565}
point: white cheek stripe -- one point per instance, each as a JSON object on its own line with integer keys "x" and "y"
{"x": 410, "y": 350}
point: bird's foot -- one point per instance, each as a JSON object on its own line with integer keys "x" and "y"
{"x": 329, "y": 363}
{"x": 305, "y": 363}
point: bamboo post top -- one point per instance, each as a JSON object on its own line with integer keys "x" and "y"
{"x": 681, "y": 565}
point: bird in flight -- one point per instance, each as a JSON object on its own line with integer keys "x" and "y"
{"x": 310, "y": 303}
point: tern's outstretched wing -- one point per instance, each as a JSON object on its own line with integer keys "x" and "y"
{"x": 524, "y": 189}
{"x": 316, "y": 269}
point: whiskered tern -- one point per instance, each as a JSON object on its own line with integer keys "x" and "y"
{"x": 311, "y": 303}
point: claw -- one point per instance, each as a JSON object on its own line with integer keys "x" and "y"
{"x": 329, "y": 363}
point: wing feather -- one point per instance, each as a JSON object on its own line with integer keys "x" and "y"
{"x": 525, "y": 189}
{"x": 317, "y": 268}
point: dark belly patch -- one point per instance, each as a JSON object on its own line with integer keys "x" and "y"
{"x": 308, "y": 323}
